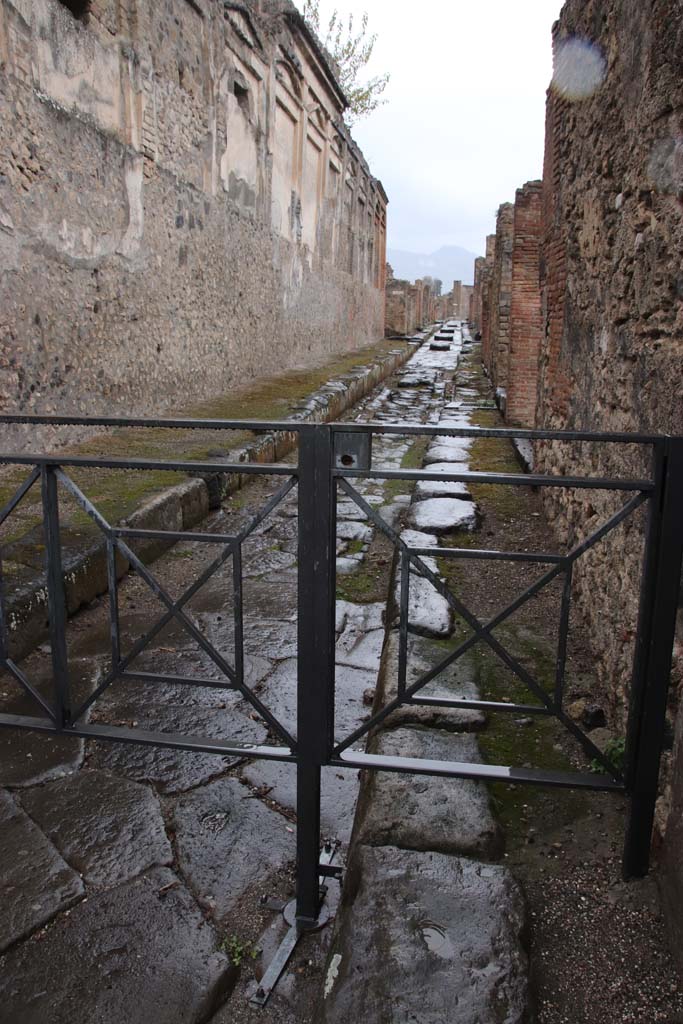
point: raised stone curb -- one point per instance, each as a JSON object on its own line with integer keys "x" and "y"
{"x": 415, "y": 812}
{"x": 185, "y": 505}
{"x": 426, "y": 938}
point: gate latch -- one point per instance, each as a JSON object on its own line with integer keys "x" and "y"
{"x": 353, "y": 450}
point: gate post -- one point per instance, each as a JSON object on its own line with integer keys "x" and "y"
{"x": 56, "y": 596}
{"x": 316, "y": 637}
{"x": 652, "y": 664}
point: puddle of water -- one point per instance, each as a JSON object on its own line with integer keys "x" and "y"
{"x": 436, "y": 939}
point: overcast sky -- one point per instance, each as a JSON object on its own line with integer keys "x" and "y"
{"x": 464, "y": 123}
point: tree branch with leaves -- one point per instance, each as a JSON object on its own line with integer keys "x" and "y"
{"x": 350, "y": 50}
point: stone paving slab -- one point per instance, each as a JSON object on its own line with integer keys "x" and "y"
{"x": 424, "y": 938}
{"x": 27, "y": 759}
{"x": 35, "y": 884}
{"x": 339, "y": 793}
{"x": 141, "y": 953}
{"x": 173, "y": 771}
{"x": 280, "y": 689}
{"x": 418, "y": 812}
{"x": 227, "y": 840}
{"x": 109, "y": 829}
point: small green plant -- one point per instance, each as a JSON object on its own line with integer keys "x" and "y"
{"x": 237, "y": 950}
{"x": 615, "y": 751}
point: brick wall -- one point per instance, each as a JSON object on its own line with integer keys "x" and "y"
{"x": 476, "y": 298}
{"x": 499, "y": 297}
{"x": 486, "y": 278}
{"x": 400, "y": 306}
{"x": 525, "y": 308}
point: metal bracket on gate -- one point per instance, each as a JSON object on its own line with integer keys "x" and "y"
{"x": 296, "y": 928}
{"x": 352, "y": 450}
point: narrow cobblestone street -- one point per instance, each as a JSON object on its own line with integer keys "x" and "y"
{"x": 158, "y": 865}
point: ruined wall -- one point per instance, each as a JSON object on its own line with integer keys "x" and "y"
{"x": 499, "y": 296}
{"x": 400, "y": 306}
{"x": 460, "y": 300}
{"x": 486, "y": 276}
{"x": 476, "y": 300}
{"x": 181, "y": 207}
{"x": 525, "y": 308}
{"x": 612, "y": 310}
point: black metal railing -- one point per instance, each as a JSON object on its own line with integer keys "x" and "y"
{"x": 330, "y": 459}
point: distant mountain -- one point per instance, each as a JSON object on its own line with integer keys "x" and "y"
{"x": 449, "y": 263}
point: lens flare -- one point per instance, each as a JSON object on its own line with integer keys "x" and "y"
{"x": 579, "y": 69}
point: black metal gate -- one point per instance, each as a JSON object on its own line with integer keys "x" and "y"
{"x": 330, "y": 458}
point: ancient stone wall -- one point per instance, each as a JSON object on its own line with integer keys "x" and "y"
{"x": 475, "y": 302}
{"x": 525, "y": 308}
{"x": 461, "y": 297}
{"x": 486, "y": 275}
{"x": 181, "y": 206}
{"x": 499, "y": 296}
{"x": 400, "y": 306}
{"x": 611, "y": 305}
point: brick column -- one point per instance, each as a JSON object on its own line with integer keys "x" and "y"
{"x": 525, "y": 307}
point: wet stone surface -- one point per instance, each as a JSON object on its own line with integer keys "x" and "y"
{"x": 226, "y": 840}
{"x": 425, "y": 937}
{"x": 35, "y": 883}
{"x": 420, "y": 813}
{"x": 138, "y": 953}
{"x": 339, "y": 793}
{"x": 145, "y": 949}
{"x": 107, "y": 828}
{"x": 173, "y": 771}
{"x": 444, "y": 515}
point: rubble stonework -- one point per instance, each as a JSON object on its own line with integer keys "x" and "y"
{"x": 181, "y": 207}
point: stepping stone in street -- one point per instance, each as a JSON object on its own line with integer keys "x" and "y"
{"x": 441, "y": 489}
{"x": 109, "y": 829}
{"x": 36, "y": 882}
{"x": 418, "y": 812}
{"x": 444, "y": 515}
{"x": 453, "y": 928}
{"x": 455, "y": 683}
{"x": 138, "y": 953}
{"x": 352, "y": 530}
{"x": 429, "y": 613}
{"x": 441, "y": 453}
{"x": 226, "y": 840}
